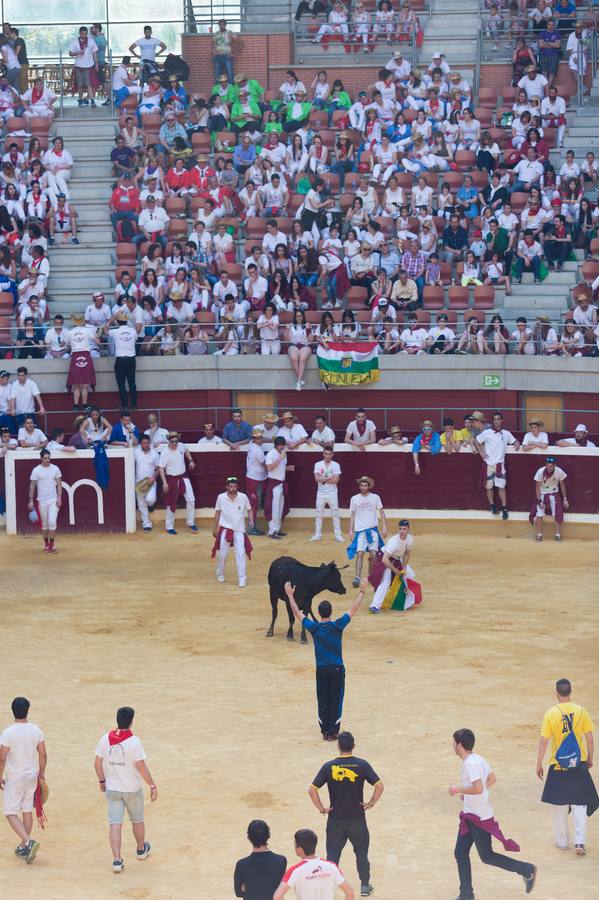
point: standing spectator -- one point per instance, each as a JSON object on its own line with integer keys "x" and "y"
{"x": 361, "y": 432}
{"x": 20, "y": 48}
{"x": 258, "y": 875}
{"x": 124, "y": 337}
{"x": 477, "y": 825}
{"x": 344, "y": 777}
{"x": 364, "y": 535}
{"x": 23, "y": 761}
{"x": 569, "y": 785}
{"x": 12, "y": 68}
{"x": 149, "y": 48}
{"x": 237, "y": 433}
{"x": 230, "y": 511}
{"x": 121, "y": 768}
{"x": 225, "y": 46}
{"x": 255, "y": 476}
{"x": 24, "y": 395}
{"x": 101, "y": 43}
{"x": 550, "y": 43}
{"x": 147, "y": 461}
{"x": 550, "y": 499}
{"x": 46, "y": 481}
{"x": 492, "y": 444}
{"x": 85, "y": 66}
{"x": 276, "y": 491}
{"x": 172, "y": 472}
{"x": 328, "y": 649}
{"x": 327, "y": 473}
{"x": 312, "y": 872}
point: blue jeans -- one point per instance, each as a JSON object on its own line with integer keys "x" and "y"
{"x": 308, "y": 280}
{"x": 341, "y": 168}
{"x": 161, "y": 239}
{"x": 121, "y": 216}
{"x": 521, "y": 186}
{"x": 223, "y": 65}
{"x": 519, "y": 266}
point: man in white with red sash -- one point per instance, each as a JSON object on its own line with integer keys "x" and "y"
{"x": 46, "y": 481}
{"x": 255, "y": 476}
{"x": 81, "y": 341}
{"x": 276, "y": 504}
{"x": 551, "y": 498}
{"x": 492, "y": 444}
{"x": 172, "y": 470}
{"x": 230, "y": 511}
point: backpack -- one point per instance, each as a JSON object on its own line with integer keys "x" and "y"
{"x": 506, "y": 119}
{"x": 567, "y": 756}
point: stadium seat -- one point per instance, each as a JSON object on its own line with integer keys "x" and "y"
{"x": 132, "y": 269}
{"x": 126, "y": 253}
{"x": 227, "y": 138}
{"x": 6, "y": 303}
{"x": 177, "y": 229}
{"x": 519, "y": 200}
{"x": 473, "y": 314}
{"x": 590, "y": 270}
{"x": 484, "y": 116}
{"x": 594, "y": 248}
{"x": 487, "y": 97}
{"x": 16, "y": 123}
{"x": 356, "y": 297}
{"x": 175, "y": 205}
{"x": 508, "y": 94}
{"x": 446, "y": 273}
{"x": 484, "y": 296}
{"x": 465, "y": 159}
{"x": 200, "y": 142}
{"x": 255, "y": 227}
{"x": 197, "y": 203}
{"x": 433, "y": 298}
{"x": 458, "y": 297}
{"x": 454, "y": 179}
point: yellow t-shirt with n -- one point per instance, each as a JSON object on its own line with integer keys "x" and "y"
{"x": 556, "y": 725}
{"x": 459, "y": 434}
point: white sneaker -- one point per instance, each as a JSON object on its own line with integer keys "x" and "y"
{"x": 298, "y": 385}
{"x": 314, "y": 538}
{"x": 220, "y": 578}
{"x": 340, "y": 538}
{"x": 241, "y": 583}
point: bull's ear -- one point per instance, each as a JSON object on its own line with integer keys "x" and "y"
{"x": 331, "y": 564}
{"x": 322, "y": 565}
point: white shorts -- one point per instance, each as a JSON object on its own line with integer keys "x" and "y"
{"x": 49, "y": 514}
{"x": 17, "y": 796}
{"x": 364, "y": 544}
{"x": 495, "y": 480}
{"x": 541, "y": 505}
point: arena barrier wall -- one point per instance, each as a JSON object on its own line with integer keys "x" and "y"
{"x": 447, "y": 482}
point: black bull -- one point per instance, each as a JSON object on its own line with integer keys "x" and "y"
{"x": 308, "y": 582}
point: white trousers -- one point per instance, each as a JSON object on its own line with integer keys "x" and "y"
{"x": 560, "y": 821}
{"x": 190, "y": 503}
{"x": 49, "y": 514}
{"x": 240, "y": 557}
{"x": 379, "y": 594}
{"x": 270, "y": 348}
{"x": 143, "y": 501}
{"x": 278, "y": 502}
{"x": 333, "y": 503}
{"x": 58, "y": 184}
{"x": 332, "y": 29}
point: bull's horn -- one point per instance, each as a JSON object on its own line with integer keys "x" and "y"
{"x": 340, "y": 568}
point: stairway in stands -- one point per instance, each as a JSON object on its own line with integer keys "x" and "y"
{"x": 76, "y": 271}
{"x": 452, "y": 29}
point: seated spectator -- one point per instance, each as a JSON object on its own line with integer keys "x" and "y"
{"x": 123, "y": 158}
{"x": 451, "y": 439}
{"x": 557, "y": 245}
{"x": 124, "y": 201}
{"x": 413, "y": 339}
{"x": 56, "y": 442}
{"x": 322, "y": 434}
{"x": 237, "y": 433}
{"x": 522, "y": 342}
{"x": 529, "y": 172}
{"x": 153, "y": 223}
{"x": 580, "y": 438}
{"x": 572, "y": 341}
{"x": 29, "y": 436}
{"x": 545, "y": 337}
{"x": 394, "y": 439}
{"x": 361, "y": 432}
{"x": 528, "y": 257}
{"x": 404, "y": 294}
{"x": 472, "y": 341}
{"x": 295, "y": 434}
{"x": 124, "y": 433}
{"x": 210, "y": 436}
{"x": 535, "y": 439}
{"x": 296, "y": 114}
{"x": 428, "y": 441}
{"x": 30, "y": 340}
{"x": 441, "y": 338}
{"x": 497, "y": 336}
{"x": 337, "y": 24}
{"x": 63, "y": 220}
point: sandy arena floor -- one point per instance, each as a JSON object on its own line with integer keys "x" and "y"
{"x": 228, "y": 717}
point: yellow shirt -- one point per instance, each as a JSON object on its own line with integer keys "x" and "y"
{"x": 459, "y": 434}
{"x": 555, "y": 727}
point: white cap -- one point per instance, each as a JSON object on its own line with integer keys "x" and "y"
{"x": 436, "y": 55}
{"x": 581, "y": 428}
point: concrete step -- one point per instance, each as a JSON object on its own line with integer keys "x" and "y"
{"x": 534, "y": 301}
{"x": 73, "y": 128}
{"x": 91, "y": 236}
{"x": 86, "y": 254}
{"x": 90, "y": 168}
{"x": 88, "y": 148}
{"x": 90, "y": 190}
{"x": 98, "y": 279}
{"x": 583, "y": 142}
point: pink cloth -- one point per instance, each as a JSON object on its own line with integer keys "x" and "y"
{"x": 489, "y": 825}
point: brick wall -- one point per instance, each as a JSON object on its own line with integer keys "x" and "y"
{"x": 497, "y": 75}
{"x": 258, "y": 52}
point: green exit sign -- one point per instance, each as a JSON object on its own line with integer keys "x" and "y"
{"x": 492, "y": 381}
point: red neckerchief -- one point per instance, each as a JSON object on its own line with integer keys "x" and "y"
{"x": 57, "y": 152}
{"x": 361, "y": 427}
{"x": 118, "y": 736}
{"x": 36, "y": 94}
{"x": 61, "y": 213}
{"x": 560, "y": 230}
{"x": 547, "y": 474}
{"x": 83, "y": 42}
{"x": 426, "y": 438}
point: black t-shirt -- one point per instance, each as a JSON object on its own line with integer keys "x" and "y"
{"x": 345, "y": 777}
{"x": 258, "y": 875}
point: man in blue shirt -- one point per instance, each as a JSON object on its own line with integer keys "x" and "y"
{"x": 550, "y": 43}
{"x": 237, "y": 433}
{"x": 330, "y": 671}
{"x": 125, "y": 433}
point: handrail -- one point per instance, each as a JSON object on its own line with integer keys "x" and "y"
{"x": 61, "y": 85}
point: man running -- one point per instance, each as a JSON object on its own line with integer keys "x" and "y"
{"x": 230, "y": 511}
{"x": 327, "y": 473}
{"x": 569, "y": 786}
{"x": 46, "y": 480}
{"x": 313, "y": 878}
{"x": 550, "y": 499}
{"x": 23, "y": 760}
{"x": 328, "y": 649}
{"x": 492, "y": 444}
{"x": 121, "y": 768}
{"x": 344, "y": 777}
{"x": 396, "y": 558}
{"x": 477, "y": 825}
{"x": 364, "y": 535}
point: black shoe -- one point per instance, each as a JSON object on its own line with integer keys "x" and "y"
{"x": 493, "y": 509}
{"x": 529, "y": 880}
{"x": 366, "y": 890}
{"x": 255, "y": 531}
{"x": 504, "y": 513}
{"x": 282, "y": 533}
{"x": 106, "y": 102}
{"x": 274, "y": 537}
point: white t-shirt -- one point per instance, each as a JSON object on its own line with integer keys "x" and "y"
{"x": 328, "y": 470}
{"x": 571, "y": 442}
{"x": 97, "y": 316}
{"x": 22, "y": 739}
{"x": 23, "y": 395}
{"x": 214, "y": 441}
{"x": 37, "y": 436}
{"x": 46, "y": 477}
{"x": 145, "y": 463}
{"x": 5, "y": 395}
{"x": 495, "y": 444}
{"x": 147, "y": 48}
{"x": 124, "y": 338}
{"x": 529, "y": 438}
{"x": 232, "y": 511}
{"x": 397, "y": 546}
{"x": 326, "y": 436}
{"x": 158, "y": 437}
{"x": 365, "y": 509}
{"x": 86, "y": 61}
{"x": 314, "y": 879}
{"x": 80, "y": 338}
{"x": 475, "y": 768}
{"x": 293, "y": 434}
{"x": 279, "y": 471}
{"x": 369, "y": 432}
{"x": 119, "y": 761}
{"x": 416, "y": 338}
{"x": 254, "y": 463}
{"x": 550, "y": 484}
{"x": 173, "y": 461}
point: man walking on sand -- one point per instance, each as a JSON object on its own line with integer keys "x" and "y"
{"x": 345, "y": 777}
{"x": 477, "y": 824}
{"x": 569, "y": 786}
{"x": 23, "y": 761}
{"x": 330, "y": 670}
{"x": 312, "y": 877}
{"x": 120, "y": 766}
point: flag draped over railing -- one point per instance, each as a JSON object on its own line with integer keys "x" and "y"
{"x": 348, "y": 363}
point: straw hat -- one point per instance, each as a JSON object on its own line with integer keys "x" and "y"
{"x": 239, "y": 78}
{"x": 257, "y": 432}
{"x": 122, "y": 316}
{"x": 78, "y": 318}
{"x": 174, "y": 433}
{"x": 367, "y": 478}
{"x": 143, "y": 486}
{"x": 427, "y": 422}
{"x": 395, "y": 429}
{"x": 44, "y": 790}
{"x": 271, "y": 418}
{"x": 544, "y": 319}
{"x": 478, "y": 416}
{"x": 78, "y": 420}
{"x": 538, "y": 422}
